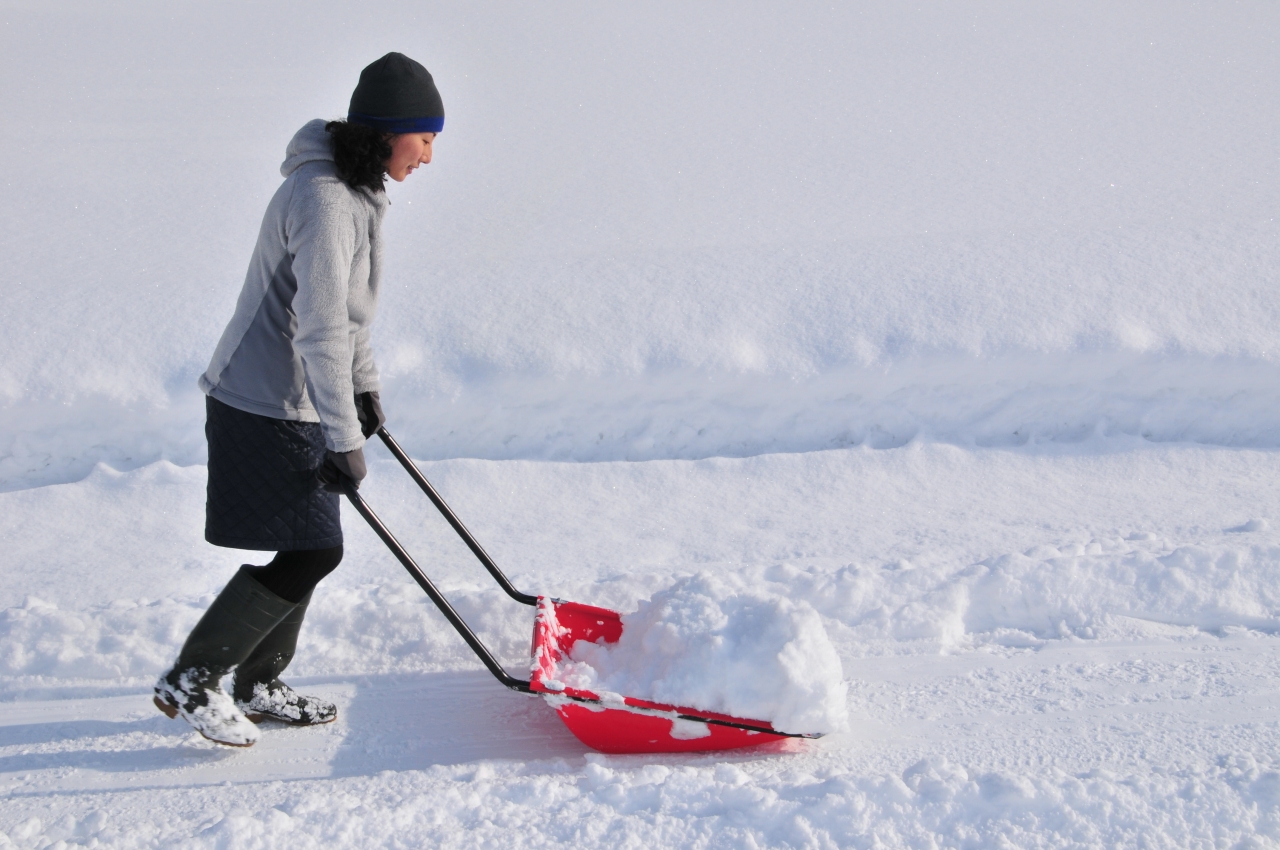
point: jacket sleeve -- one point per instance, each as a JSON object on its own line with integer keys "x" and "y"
{"x": 322, "y": 242}
{"x": 364, "y": 373}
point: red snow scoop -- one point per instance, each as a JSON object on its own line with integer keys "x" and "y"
{"x": 609, "y": 723}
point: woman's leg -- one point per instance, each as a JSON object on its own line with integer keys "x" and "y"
{"x": 258, "y": 690}
{"x": 243, "y": 614}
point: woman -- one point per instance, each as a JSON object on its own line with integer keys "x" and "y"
{"x": 291, "y": 396}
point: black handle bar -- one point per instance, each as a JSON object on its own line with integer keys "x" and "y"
{"x": 448, "y": 513}
{"x": 436, "y": 596}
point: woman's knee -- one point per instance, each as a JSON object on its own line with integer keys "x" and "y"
{"x": 328, "y": 559}
{"x": 292, "y": 575}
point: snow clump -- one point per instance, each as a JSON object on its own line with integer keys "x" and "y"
{"x": 709, "y": 643}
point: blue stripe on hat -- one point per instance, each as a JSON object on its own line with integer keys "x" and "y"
{"x": 427, "y": 124}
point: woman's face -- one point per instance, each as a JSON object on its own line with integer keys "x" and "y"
{"x": 408, "y": 151}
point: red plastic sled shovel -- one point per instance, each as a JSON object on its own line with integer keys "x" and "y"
{"x": 605, "y": 722}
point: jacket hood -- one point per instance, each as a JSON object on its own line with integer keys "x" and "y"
{"x": 309, "y": 144}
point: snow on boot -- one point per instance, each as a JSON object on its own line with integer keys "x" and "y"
{"x": 258, "y": 690}
{"x": 226, "y": 635}
{"x": 194, "y": 694}
{"x": 277, "y": 701}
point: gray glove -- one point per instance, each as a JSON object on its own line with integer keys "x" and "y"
{"x": 340, "y": 467}
{"x": 369, "y": 412}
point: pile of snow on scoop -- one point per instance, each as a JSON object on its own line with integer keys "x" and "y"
{"x": 709, "y": 643}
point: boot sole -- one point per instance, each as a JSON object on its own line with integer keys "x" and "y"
{"x": 171, "y": 711}
{"x": 258, "y": 718}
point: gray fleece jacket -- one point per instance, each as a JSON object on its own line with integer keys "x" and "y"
{"x": 298, "y": 344}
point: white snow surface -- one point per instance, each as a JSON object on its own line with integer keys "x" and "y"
{"x": 713, "y": 644}
{"x": 1053, "y": 646}
{"x": 956, "y": 323}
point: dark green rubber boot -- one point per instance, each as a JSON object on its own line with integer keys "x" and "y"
{"x": 243, "y": 614}
{"x": 258, "y": 691}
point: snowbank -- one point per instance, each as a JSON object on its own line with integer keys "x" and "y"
{"x": 918, "y": 549}
{"x": 710, "y": 643}
{"x": 807, "y": 228}
{"x": 1101, "y": 588}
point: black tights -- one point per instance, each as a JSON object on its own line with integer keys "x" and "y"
{"x": 292, "y": 575}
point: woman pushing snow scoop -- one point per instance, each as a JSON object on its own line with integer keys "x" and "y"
{"x": 291, "y": 397}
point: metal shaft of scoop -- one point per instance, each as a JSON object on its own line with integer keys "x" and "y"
{"x": 449, "y": 515}
{"x": 436, "y": 596}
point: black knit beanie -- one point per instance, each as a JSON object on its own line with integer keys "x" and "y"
{"x": 397, "y": 95}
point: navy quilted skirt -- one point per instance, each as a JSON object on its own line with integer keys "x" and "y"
{"x": 263, "y": 492}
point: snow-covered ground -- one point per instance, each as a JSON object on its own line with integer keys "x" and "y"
{"x": 957, "y": 322}
{"x": 1043, "y": 646}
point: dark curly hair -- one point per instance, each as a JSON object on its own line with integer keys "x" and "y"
{"x": 360, "y": 154}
